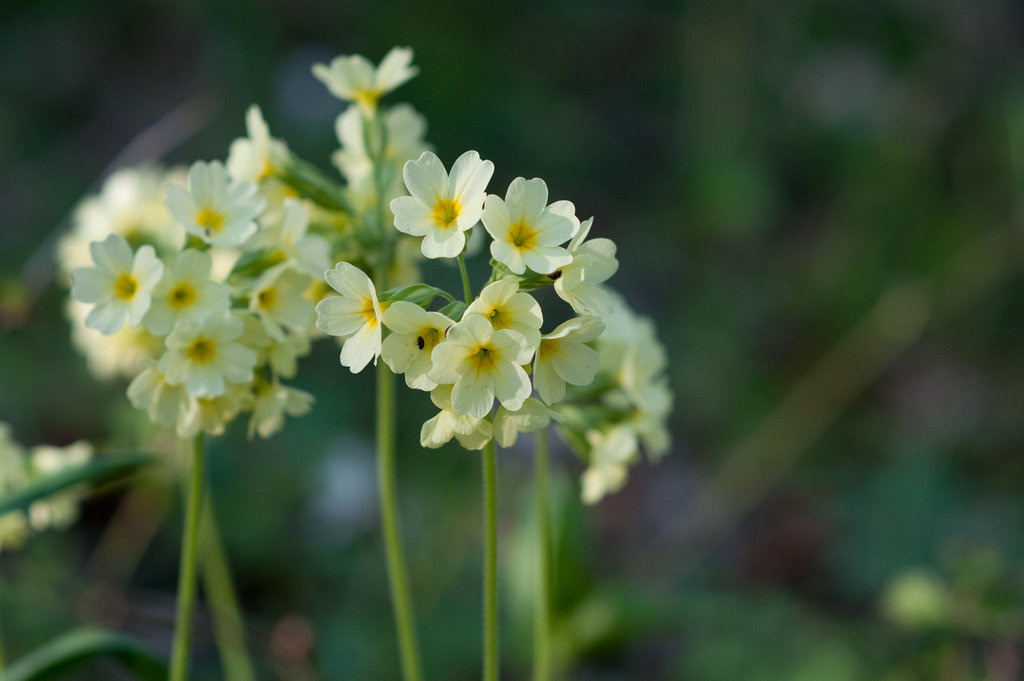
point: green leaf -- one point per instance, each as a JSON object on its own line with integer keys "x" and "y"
{"x": 310, "y": 182}
{"x": 454, "y": 310}
{"x": 63, "y": 654}
{"x": 103, "y": 467}
{"x": 421, "y": 294}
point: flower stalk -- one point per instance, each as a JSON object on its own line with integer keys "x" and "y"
{"x": 398, "y": 580}
{"x": 490, "y": 500}
{"x": 187, "y": 568}
{"x": 542, "y": 606}
{"x": 228, "y": 623}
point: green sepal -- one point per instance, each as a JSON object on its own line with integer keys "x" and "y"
{"x": 313, "y": 184}
{"x": 421, "y": 294}
{"x": 64, "y": 654}
{"x": 454, "y": 310}
{"x": 254, "y": 263}
{"x": 103, "y": 467}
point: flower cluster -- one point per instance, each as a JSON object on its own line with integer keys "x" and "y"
{"x": 204, "y": 298}
{"x": 492, "y": 350}
{"x": 203, "y": 293}
{"x": 19, "y": 468}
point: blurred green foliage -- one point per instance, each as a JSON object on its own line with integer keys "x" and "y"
{"x": 770, "y": 172}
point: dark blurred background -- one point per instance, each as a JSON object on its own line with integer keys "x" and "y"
{"x": 819, "y": 203}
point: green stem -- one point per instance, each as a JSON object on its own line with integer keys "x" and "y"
{"x": 228, "y": 623}
{"x": 490, "y": 494}
{"x": 542, "y": 607}
{"x": 187, "y": 569}
{"x": 3, "y": 659}
{"x": 467, "y": 291}
{"x": 399, "y": 582}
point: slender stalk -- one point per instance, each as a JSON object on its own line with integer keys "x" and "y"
{"x": 466, "y": 290}
{"x": 401, "y": 601}
{"x": 187, "y": 569}
{"x": 542, "y": 607}
{"x": 3, "y": 659}
{"x": 228, "y": 623}
{"x": 490, "y": 498}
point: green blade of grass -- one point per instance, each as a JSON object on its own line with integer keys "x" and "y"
{"x": 80, "y": 646}
{"x": 103, "y": 467}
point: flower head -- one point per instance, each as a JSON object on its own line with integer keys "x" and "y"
{"x": 255, "y": 157}
{"x": 219, "y": 212}
{"x": 186, "y": 291}
{"x": 355, "y": 314}
{"x": 529, "y": 418}
{"x": 442, "y": 207}
{"x": 271, "y": 402}
{"x": 279, "y": 300}
{"x": 563, "y": 357}
{"x": 580, "y": 282}
{"x": 527, "y": 232}
{"x": 118, "y": 285}
{"x": 506, "y": 307}
{"x": 354, "y": 79}
{"x": 483, "y": 364}
{"x": 205, "y": 355}
{"x": 415, "y": 334}
{"x": 472, "y": 432}
{"x": 611, "y": 452}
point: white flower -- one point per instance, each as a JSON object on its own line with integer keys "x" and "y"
{"x": 211, "y": 415}
{"x": 219, "y": 212}
{"x": 355, "y": 314}
{"x": 354, "y": 79}
{"x": 529, "y": 418}
{"x": 151, "y": 392}
{"x": 579, "y": 282}
{"x": 611, "y": 452}
{"x": 472, "y": 432}
{"x": 564, "y": 358}
{"x": 527, "y": 232}
{"x": 57, "y": 510}
{"x": 483, "y": 364}
{"x": 416, "y": 333}
{"x": 186, "y": 292}
{"x": 279, "y": 299}
{"x": 404, "y": 129}
{"x": 118, "y": 285}
{"x": 255, "y": 157}
{"x": 282, "y": 355}
{"x": 506, "y": 307}
{"x": 442, "y": 206}
{"x": 204, "y": 355}
{"x": 632, "y": 356}
{"x": 271, "y": 402}
{"x": 308, "y": 252}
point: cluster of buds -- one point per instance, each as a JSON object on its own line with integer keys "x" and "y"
{"x": 19, "y": 468}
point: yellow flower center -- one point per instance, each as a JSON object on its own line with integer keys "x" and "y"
{"x": 369, "y": 313}
{"x": 266, "y": 298}
{"x": 499, "y": 320}
{"x": 445, "y": 212}
{"x": 368, "y": 98}
{"x": 181, "y": 296}
{"x": 201, "y": 351}
{"x": 522, "y": 236}
{"x": 210, "y": 220}
{"x": 428, "y": 337}
{"x": 125, "y": 287}
{"x": 483, "y": 358}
